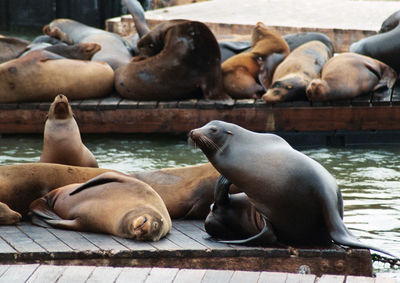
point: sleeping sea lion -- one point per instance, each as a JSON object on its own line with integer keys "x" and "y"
{"x": 111, "y": 203}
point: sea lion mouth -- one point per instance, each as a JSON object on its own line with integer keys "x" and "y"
{"x": 61, "y": 108}
{"x": 139, "y": 223}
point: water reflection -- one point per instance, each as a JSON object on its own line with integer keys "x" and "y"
{"x": 369, "y": 177}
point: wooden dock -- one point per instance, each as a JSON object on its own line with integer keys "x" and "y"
{"x": 186, "y": 247}
{"x": 366, "y": 119}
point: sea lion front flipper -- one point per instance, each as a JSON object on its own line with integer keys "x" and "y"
{"x": 101, "y": 179}
{"x": 221, "y": 191}
{"x": 40, "y": 212}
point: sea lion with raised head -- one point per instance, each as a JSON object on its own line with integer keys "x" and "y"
{"x": 111, "y": 203}
{"x": 62, "y": 142}
{"x": 348, "y": 75}
{"x": 240, "y": 72}
{"x": 296, "y": 194}
{"x": 292, "y": 76}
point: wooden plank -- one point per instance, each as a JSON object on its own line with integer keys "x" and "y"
{"x": 244, "y": 103}
{"x": 147, "y": 104}
{"x": 18, "y": 273}
{"x": 331, "y": 279}
{"x": 74, "y": 240}
{"x": 166, "y": 245}
{"x": 103, "y": 241}
{"x": 245, "y": 276}
{"x": 44, "y": 238}
{"x": 5, "y": 248}
{"x": 135, "y": 245}
{"x": 3, "y": 269}
{"x": 187, "y": 104}
{"x": 189, "y": 275}
{"x": 18, "y": 240}
{"x": 127, "y": 104}
{"x": 183, "y": 240}
{"x": 167, "y": 104}
{"x": 89, "y": 104}
{"x": 198, "y": 235}
{"x": 361, "y": 100}
{"x": 385, "y": 279}
{"x": 129, "y": 275}
{"x": 46, "y": 273}
{"x": 300, "y": 278}
{"x": 110, "y": 103}
{"x": 272, "y": 277}
{"x": 76, "y": 274}
{"x": 104, "y": 274}
{"x": 359, "y": 279}
{"x": 164, "y": 275}
{"x": 382, "y": 98}
{"x": 75, "y": 104}
{"x": 217, "y": 276}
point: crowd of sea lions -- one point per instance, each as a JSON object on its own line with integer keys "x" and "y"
{"x": 182, "y": 59}
{"x": 260, "y": 189}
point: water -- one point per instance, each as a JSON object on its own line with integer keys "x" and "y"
{"x": 369, "y": 177}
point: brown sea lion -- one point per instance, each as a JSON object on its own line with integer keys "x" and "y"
{"x": 41, "y": 75}
{"x": 240, "y": 72}
{"x": 62, "y": 141}
{"x": 11, "y": 48}
{"x": 188, "y": 62}
{"x": 348, "y": 75}
{"x": 384, "y": 47}
{"x": 187, "y": 191}
{"x": 8, "y": 216}
{"x": 292, "y": 76}
{"x": 113, "y": 51}
{"x": 297, "y": 195}
{"x": 111, "y": 203}
{"x": 81, "y": 51}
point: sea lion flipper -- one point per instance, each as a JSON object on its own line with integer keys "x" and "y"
{"x": 72, "y": 224}
{"x": 221, "y": 191}
{"x": 47, "y": 55}
{"x": 104, "y": 178}
{"x": 267, "y": 68}
{"x": 40, "y": 208}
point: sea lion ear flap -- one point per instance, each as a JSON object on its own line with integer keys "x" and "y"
{"x": 221, "y": 191}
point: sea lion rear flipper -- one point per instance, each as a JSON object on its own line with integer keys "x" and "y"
{"x": 40, "y": 212}
{"x": 64, "y": 224}
{"x": 101, "y": 179}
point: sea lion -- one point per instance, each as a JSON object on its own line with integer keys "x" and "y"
{"x": 296, "y": 194}
{"x": 80, "y": 51}
{"x": 136, "y": 10}
{"x": 41, "y": 75}
{"x": 292, "y": 76}
{"x": 8, "y": 216}
{"x": 111, "y": 203}
{"x": 11, "y": 48}
{"x": 240, "y": 72}
{"x": 188, "y": 62}
{"x": 113, "y": 51}
{"x": 62, "y": 141}
{"x": 20, "y": 184}
{"x": 348, "y": 75}
{"x": 391, "y": 22}
{"x": 186, "y": 191}
{"x": 384, "y": 47}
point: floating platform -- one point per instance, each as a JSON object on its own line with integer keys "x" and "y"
{"x": 186, "y": 246}
{"x": 343, "y": 21}
{"x": 371, "y": 118}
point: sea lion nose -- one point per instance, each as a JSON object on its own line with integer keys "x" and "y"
{"x": 191, "y": 133}
{"x": 60, "y": 95}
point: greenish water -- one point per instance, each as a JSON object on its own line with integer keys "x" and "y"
{"x": 369, "y": 176}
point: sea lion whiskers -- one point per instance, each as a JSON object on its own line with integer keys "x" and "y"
{"x": 208, "y": 142}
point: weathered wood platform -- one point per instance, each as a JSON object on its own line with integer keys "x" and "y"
{"x": 66, "y": 274}
{"x": 186, "y": 246}
{"x": 377, "y": 115}
{"x": 343, "y": 21}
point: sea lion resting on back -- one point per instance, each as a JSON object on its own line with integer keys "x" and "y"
{"x": 111, "y": 203}
{"x": 240, "y": 72}
{"x": 297, "y": 196}
{"x": 62, "y": 141}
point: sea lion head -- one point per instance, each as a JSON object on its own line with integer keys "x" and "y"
{"x": 7, "y": 215}
{"x": 212, "y": 137}
{"x": 88, "y": 49}
{"x": 288, "y": 89}
{"x": 143, "y": 224}
{"x": 60, "y": 108}
{"x": 258, "y": 33}
{"x": 317, "y": 90}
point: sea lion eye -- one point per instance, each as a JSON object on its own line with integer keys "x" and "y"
{"x": 213, "y": 130}
{"x": 260, "y": 58}
{"x": 151, "y": 45}
{"x": 289, "y": 87}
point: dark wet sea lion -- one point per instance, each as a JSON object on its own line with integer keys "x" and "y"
{"x": 240, "y": 72}
{"x": 11, "y": 48}
{"x": 114, "y": 50}
{"x": 188, "y": 62}
{"x": 292, "y": 76}
{"x": 41, "y": 75}
{"x": 384, "y": 47}
{"x": 348, "y": 75}
{"x": 62, "y": 142}
{"x": 391, "y": 22}
{"x": 297, "y": 195}
{"x": 111, "y": 203}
